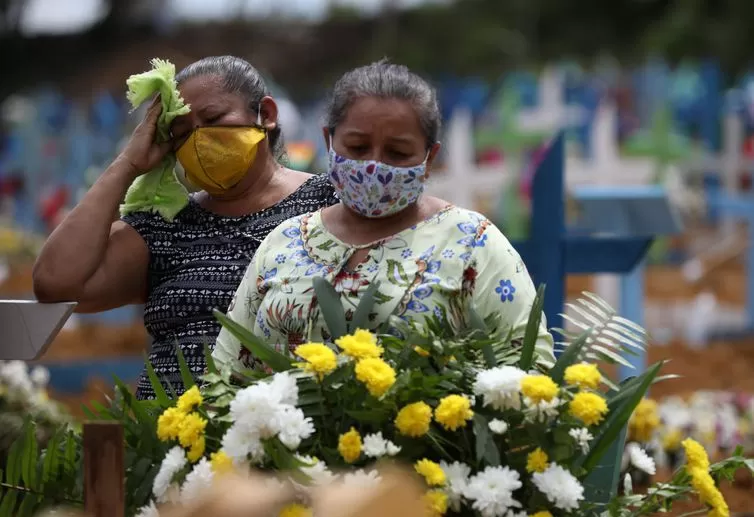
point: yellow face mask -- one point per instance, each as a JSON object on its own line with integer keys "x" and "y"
{"x": 216, "y": 158}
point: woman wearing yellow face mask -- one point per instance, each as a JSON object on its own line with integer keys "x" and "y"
{"x": 229, "y": 146}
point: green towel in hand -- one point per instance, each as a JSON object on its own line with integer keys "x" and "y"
{"x": 158, "y": 190}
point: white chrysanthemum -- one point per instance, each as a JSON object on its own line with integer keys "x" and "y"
{"x": 197, "y": 481}
{"x": 541, "y": 412}
{"x": 15, "y": 375}
{"x": 240, "y": 442}
{"x": 559, "y": 486}
{"x": 149, "y": 510}
{"x": 317, "y": 470}
{"x": 640, "y": 459}
{"x": 294, "y": 427}
{"x": 628, "y": 484}
{"x": 361, "y": 479}
{"x": 375, "y": 446}
{"x": 582, "y": 437}
{"x": 491, "y": 491}
{"x": 174, "y": 461}
{"x": 284, "y": 388}
{"x": 40, "y": 376}
{"x": 257, "y": 408}
{"x": 498, "y": 426}
{"x": 500, "y": 387}
{"x": 457, "y": 479}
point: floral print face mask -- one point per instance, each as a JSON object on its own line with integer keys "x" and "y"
{"x": 375, "y": 189}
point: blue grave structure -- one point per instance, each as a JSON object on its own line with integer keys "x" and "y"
{"x": 618, "y": 225}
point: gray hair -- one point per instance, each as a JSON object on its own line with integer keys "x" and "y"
{"x": 388, "y": 81}
{"x": 238, "y": 77}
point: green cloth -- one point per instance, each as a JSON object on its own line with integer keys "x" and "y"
{"x": 158, "y": 190}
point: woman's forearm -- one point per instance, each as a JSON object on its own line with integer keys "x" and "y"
{"x": 76, "y": 248}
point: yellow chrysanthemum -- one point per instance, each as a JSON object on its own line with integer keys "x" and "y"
{"x": 453, "y": 412}
{"x": 588, "y": 407}
{"x": 584, "y": 375}
{"x": 671, "y": 440}
{"x": 190, "y": 400}
{"x": 436, "y": 502}
{"x": 376, "y": 374}
{"x": 541, "y": 514}
{"x": 696, "y": 456}
{"x": 169, "y": 424}
{"x": 537, "y": 461}
{"x": 704, "y": 486}
{"x": 414, "y": 419}
{"x": 431, "y": 472}
{"x": 349, "y": 445}
{"x": 419, "y": 350}
{"x": 221, "y": 462}
{"x": 196, "y": 451}
{"x": 295, "y": 510}
{"x": 192, "y": 429}
{"x": 362, "y": 344}
{"x": 320, "y": 359}
{"x": 539, "y": 388}
{"x": 644, "y": 421}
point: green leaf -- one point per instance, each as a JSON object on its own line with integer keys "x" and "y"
{"x": 569, "y": 356}
{"x": 532, "y": 330}
{"x": 360, "y": 319}
{"x": 485, "y": 446}
{"x": 209, "y": 360}
{"x": 282, "y": 458}
{"x": 160, "y": 394}
{"x": 14, "y": 461}
{"x": 8, "y": 505}
{"x": 331, "y": 307}
{"x": 476, "y": 321}
{"x": 186, "y": 376}
{"x": 375, "y": 416}
{"x": 618, "y": 418}
{"x": 50, "y": 462}
{"x": 30, "y": 456}
{"x": 340, "y": 374}
{"x": 261, "y": 350}
{"x": 29, "y": 505}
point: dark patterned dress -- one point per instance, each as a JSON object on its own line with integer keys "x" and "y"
{"x": 196, "y": 263}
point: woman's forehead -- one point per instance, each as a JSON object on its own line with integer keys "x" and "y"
{"x": 204, "y": 90}
{"x": 373, "y": 114}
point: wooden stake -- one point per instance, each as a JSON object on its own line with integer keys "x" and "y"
{"x": 104, "y": 484}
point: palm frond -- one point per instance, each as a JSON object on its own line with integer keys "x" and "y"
{"x": 611, "y": 336}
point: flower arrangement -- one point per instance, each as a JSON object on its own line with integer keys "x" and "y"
{"x": 489, "y": 429}
{"x": 490, "y": 426}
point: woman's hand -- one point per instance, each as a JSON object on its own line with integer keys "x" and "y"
{"x": 142, "y": 153}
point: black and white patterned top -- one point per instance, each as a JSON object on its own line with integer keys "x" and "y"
{"x": 196, "y": 264}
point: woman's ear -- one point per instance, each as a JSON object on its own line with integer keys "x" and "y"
{"x": 433, "y": 152}
{"x": 269, "y": 113}
{"x": 328, "y": 137}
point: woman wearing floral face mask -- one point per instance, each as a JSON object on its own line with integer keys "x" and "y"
{"x": 429, "y": 256}
{"x": 229, "y": 146}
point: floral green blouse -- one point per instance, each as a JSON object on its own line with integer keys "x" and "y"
{"x": 440, "y": 265}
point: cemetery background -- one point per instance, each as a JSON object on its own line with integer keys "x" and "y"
{"x": 683, "y": 125}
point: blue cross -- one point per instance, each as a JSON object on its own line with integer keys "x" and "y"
{"x": 551, "y": 252}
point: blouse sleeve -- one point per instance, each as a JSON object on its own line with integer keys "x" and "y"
{"x": 504, "y": 287}
{"x": 243, "y": 310}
